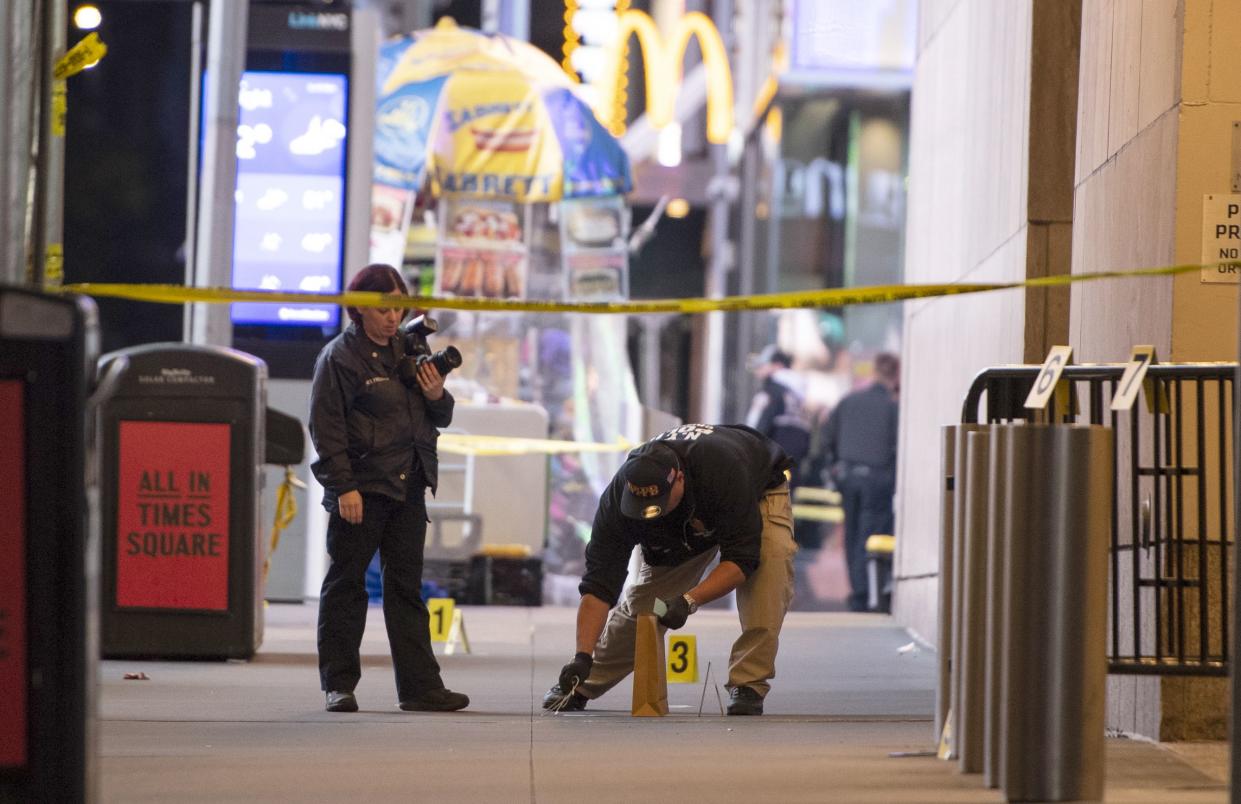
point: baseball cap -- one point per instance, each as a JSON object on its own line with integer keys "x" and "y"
{"x": 770, "y": 354}
{"x": 647, "y": 476}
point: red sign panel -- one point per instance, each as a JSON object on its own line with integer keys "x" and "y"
{"x": 13, "y": 660}
{"x": 172, "y": 516}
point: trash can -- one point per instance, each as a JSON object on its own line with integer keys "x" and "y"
{"x": 48, "y": 548}
{"x": 181, "y": 447}
{"x": 1053, "y": 600}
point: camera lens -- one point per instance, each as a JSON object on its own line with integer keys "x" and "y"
{"x": 447, "y": 359}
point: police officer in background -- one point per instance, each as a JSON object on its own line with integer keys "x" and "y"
{"x": 375, "y": 440}
{"x": 860, "y": 447}
{"x": 686, "y": 496}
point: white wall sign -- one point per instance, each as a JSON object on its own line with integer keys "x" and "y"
{"x": 1221, "y": 238}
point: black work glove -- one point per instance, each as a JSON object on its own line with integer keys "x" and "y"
{"x": 677, "y": 613}
{"x": 575, "y": 672}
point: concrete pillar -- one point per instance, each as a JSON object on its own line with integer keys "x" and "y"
{"x": 1160, "y": 94}
{"x": 213, "y": 257}
{"x": 990, "y": 199}
{"x": 17, "y": 84}
{"x": 1022, "y": 132}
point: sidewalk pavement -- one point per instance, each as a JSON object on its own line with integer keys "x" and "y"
{"x": 852, "y": 692}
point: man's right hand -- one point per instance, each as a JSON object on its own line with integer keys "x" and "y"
{"x": 575, "y": 672}
{"x": 350, "y": 506}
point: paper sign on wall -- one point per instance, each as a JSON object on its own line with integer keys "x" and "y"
{"x": 1221, "y": 238}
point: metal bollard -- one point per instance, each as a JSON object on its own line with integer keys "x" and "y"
{"x": 971, "y": 580}
{"x": 993, "y": 702}
{"x": 954, "y": 586}
{"x": 947, "y": 462}
{"x": 1054, "y": 667}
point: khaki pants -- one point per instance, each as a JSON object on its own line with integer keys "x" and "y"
{"x": 761, "y": 604}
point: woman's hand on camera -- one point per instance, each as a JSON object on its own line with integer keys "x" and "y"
{"x": 430, "y": 380}
{"x": 350, "y": 505}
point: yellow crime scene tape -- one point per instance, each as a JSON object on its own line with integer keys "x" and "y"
{"x": 819, "y": 505}
{"x": 82, "y": 55}
{"x": 286, "y": 512}
{"x": 462, "y": 444}
{"x": 833, "y": 297}
{"x": 819, "y": 513}
{"x": 455, "y": 443}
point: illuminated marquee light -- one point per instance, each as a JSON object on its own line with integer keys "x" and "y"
{"x": 622, "y": 85}
{"x": 571, "y": 40}
{"x": 663, "y": 59}
{"x": 589, "y": 30}
{"x": 87, "y": 17}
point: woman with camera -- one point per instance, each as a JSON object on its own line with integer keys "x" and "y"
{"x": 375, "y": 438}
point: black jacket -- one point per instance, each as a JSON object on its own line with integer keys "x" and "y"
{"x": 862, "y": 431}
{"x": 728, "y": 469}
{"x": 777, "y": 411}
{"x": 369, "y": 430}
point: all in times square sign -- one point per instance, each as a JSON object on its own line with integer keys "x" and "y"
{"x": 173, "y": 516}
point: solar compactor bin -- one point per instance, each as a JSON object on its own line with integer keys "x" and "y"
{"x": 48, "y": 548}
{"x": 181, "y": 449}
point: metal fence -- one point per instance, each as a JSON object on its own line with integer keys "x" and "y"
{"x": 1171, "y": 524}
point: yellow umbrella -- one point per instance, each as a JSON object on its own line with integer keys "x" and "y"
{"x": 487, "y": 116}
{"x": 447, "y": 47}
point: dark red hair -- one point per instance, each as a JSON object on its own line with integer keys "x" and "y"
{"x": 376, "y": 277}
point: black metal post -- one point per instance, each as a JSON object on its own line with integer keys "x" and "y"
{"x": 1234, "y": 794}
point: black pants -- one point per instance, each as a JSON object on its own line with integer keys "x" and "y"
{"x": 398, "y": 530}
{"x": 867, "y": 500}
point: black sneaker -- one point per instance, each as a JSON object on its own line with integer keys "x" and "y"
{"x": 555, "y": 699}
{"x": 441, "y": 700}
{"x": 341, "y": 702}
{"x": 744, "y": 701}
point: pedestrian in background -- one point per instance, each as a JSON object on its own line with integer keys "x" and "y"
{"x": 860, "y": 447}
{"x": 375, "y": 438}
{"x": 778, "y": 409}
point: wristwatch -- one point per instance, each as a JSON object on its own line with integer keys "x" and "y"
{"x": 693, "y": 604}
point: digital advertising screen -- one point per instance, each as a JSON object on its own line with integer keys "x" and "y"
{"x": 290, "y": 194}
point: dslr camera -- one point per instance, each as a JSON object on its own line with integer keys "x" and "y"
{"x": 417, "y": 351}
